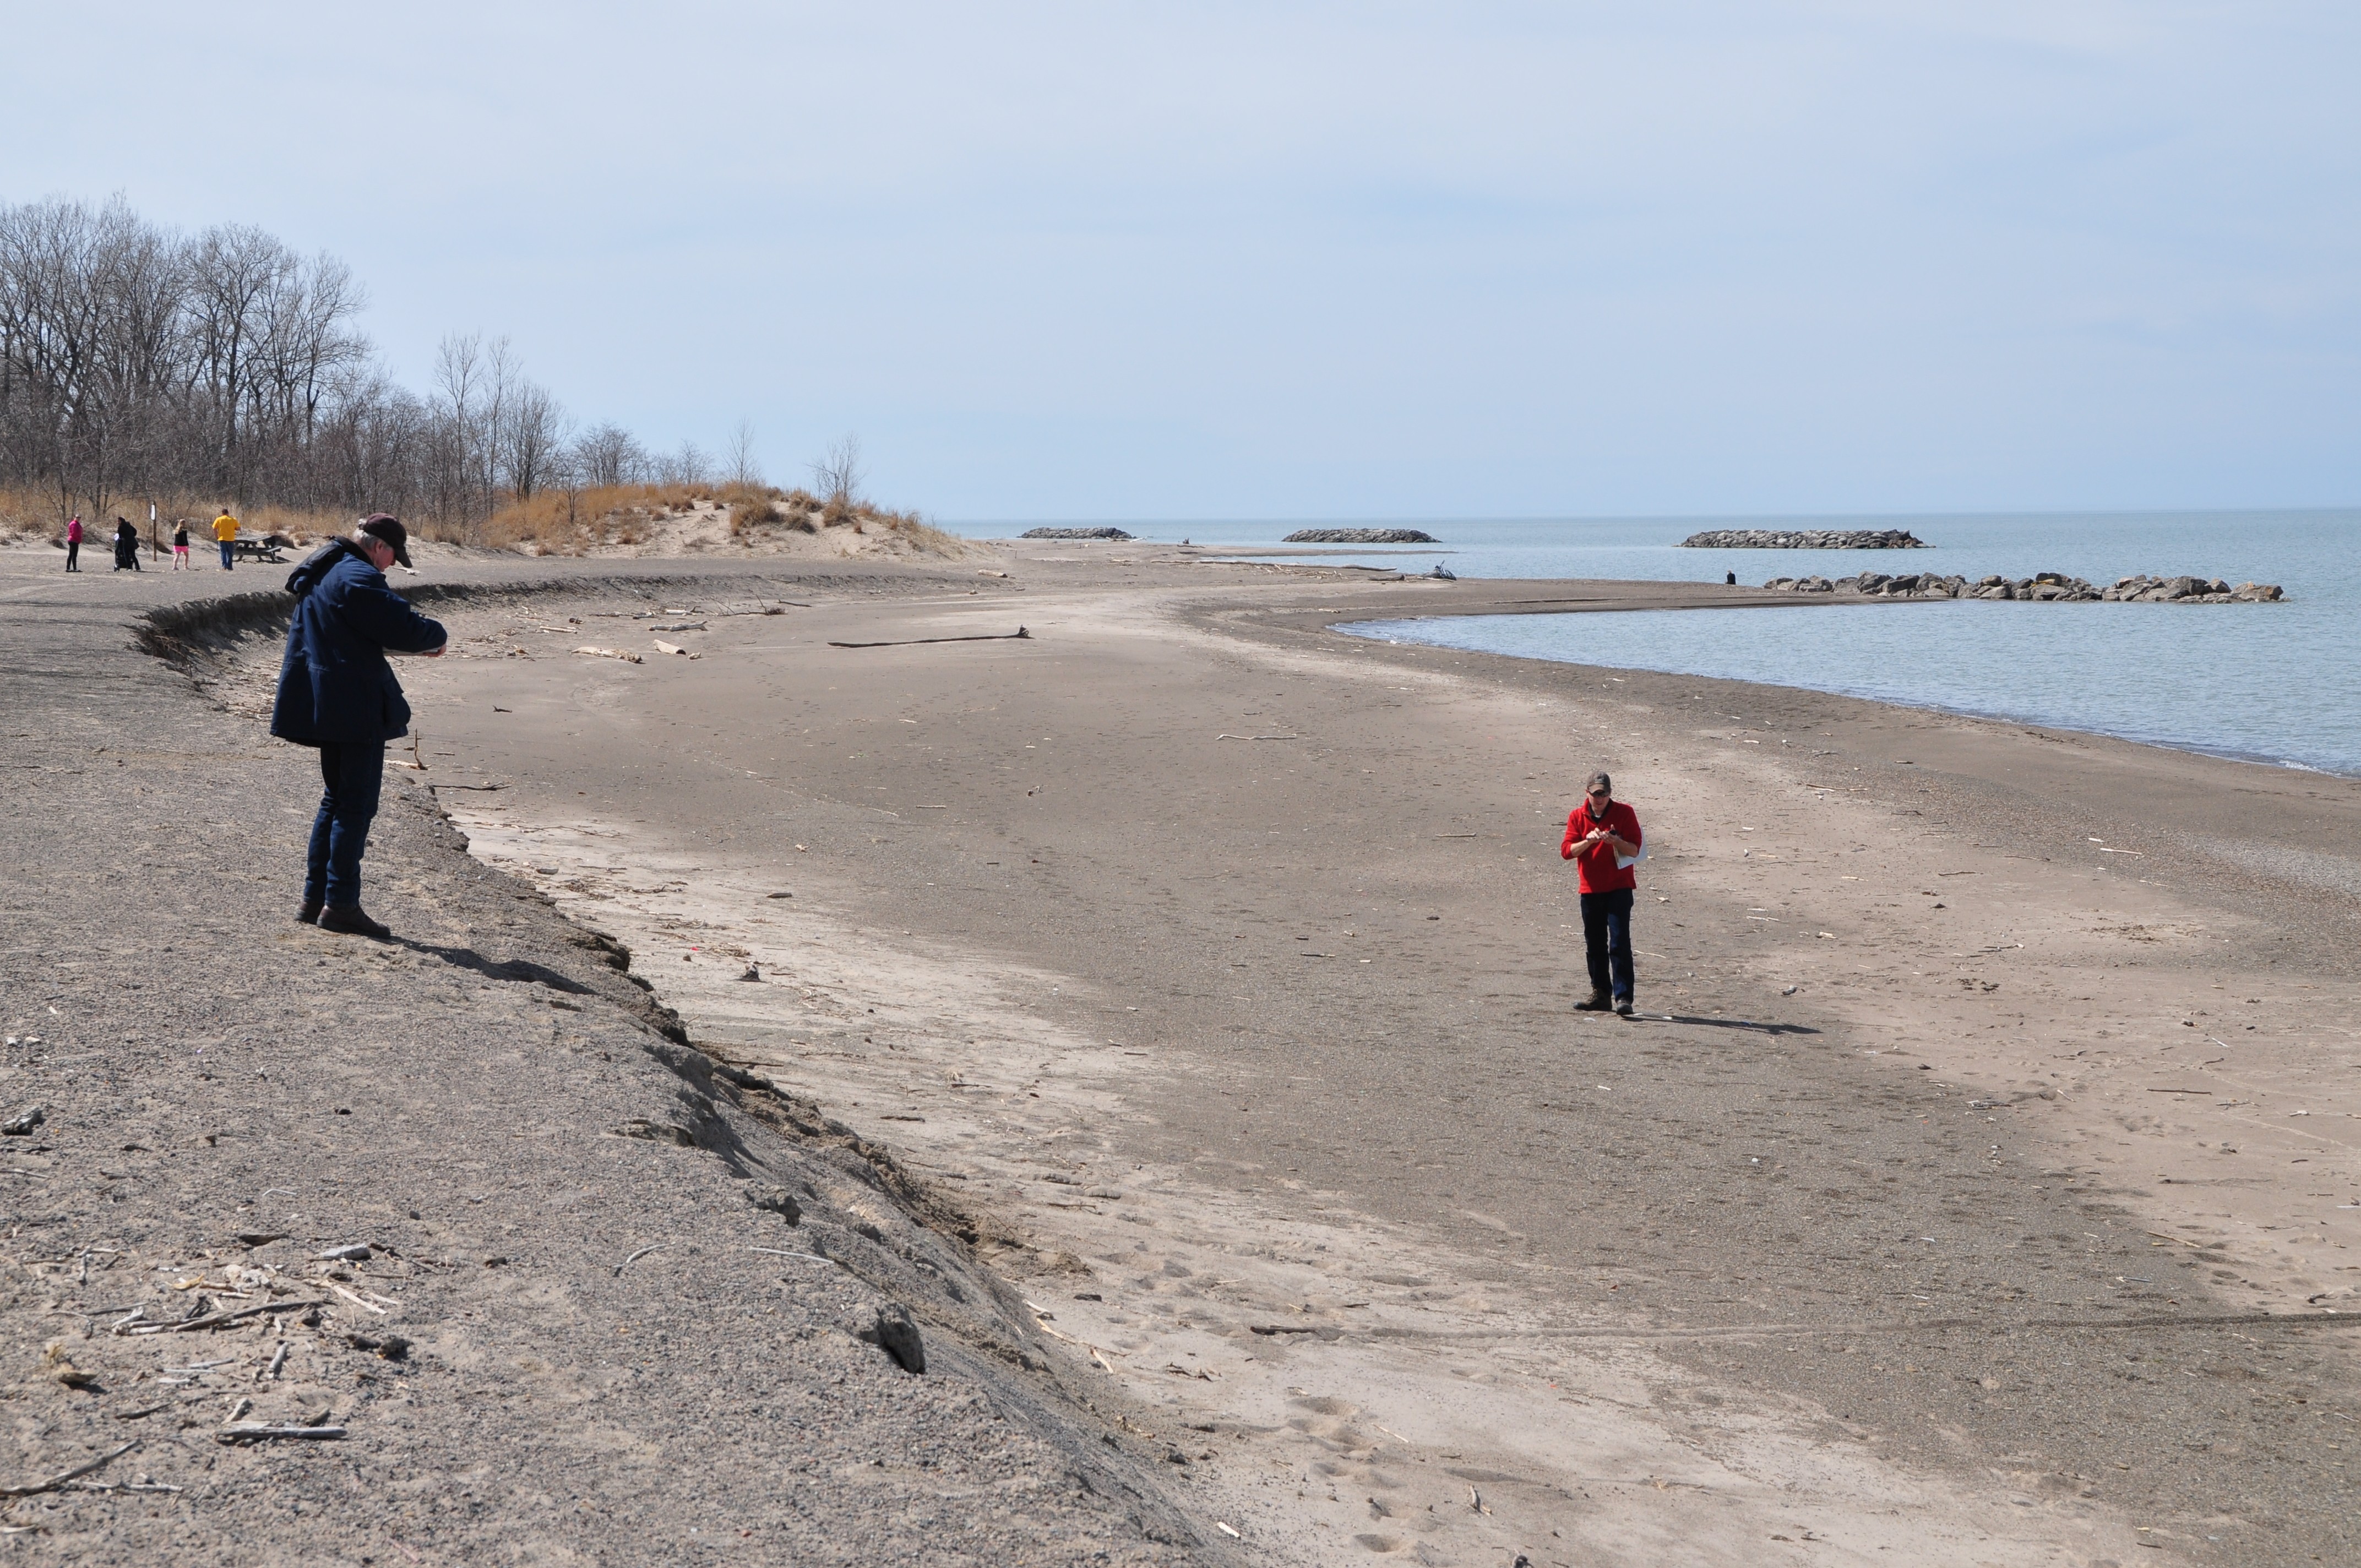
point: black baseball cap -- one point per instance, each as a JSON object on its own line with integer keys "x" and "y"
{"x": 385, "y": 526}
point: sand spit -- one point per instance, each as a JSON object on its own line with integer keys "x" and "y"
{"x": 1225, "y": 961}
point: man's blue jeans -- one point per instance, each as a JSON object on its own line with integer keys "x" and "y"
{"x": 227, "y": 551}
{"x": 1606, "y": 939}
{"x": 355, "y": 773}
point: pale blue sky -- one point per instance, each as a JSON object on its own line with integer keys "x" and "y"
{"x": 1133, "y": 261}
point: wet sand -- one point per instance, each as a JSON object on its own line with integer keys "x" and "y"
{"x": 1222, "y": 966}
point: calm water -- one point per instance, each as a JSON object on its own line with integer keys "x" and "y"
{"x": 2276, "y": 683}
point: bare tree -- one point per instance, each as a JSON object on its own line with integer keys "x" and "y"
{"x": 838, "y": 474}
{"x": 688, "y": 465}
{"x": 744, "y": 469}
{"x": 459, "y": 375}
{"x": 531, "y": 439}
{"x": 226, "y": 367}
{"x": 607, "y": 455}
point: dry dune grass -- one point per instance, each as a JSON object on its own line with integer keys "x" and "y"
{"x": 627, "y": 519}
{"x": 659, "y": 519}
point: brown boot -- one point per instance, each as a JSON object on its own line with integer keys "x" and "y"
{"x": 349, "y": 921}
{"x": 1599, "y": 1003}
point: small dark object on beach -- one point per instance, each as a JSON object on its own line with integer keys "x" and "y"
{"x": 24, "y": 1121}
{"x": 898, "y": 1336}
{"x": 1444, "y": 573}
{"x": 1360, "y": 536}
{"x": 1074, "y": 533}
{"x": 776, "y": 1200}
{"x": 1804, "y": 539}
{"x": 390, "y": 1347}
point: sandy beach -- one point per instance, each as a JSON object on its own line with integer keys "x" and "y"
{"x": 1976, "y": 1186}
{"x": 1260, "y": 935}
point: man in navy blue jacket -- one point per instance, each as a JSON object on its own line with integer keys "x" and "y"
{"x": 338, "y": 692}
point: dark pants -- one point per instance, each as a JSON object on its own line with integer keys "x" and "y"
{"x": 1607, "y": 941}
{"x": 227, "y": 550}
{"x": 73, "y": 554}
{"x": 353, "y": 773}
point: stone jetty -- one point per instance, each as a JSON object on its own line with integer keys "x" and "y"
{"x": 1360, "y": 536}
{"x": 2047, "y": 587}
{"x": 1804, "y": 539}
{"x": 1074, "y": 533}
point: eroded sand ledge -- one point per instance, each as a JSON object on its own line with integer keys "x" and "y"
{"x": 1542, "y": 1263}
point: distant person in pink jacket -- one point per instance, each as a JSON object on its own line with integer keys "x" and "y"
{"x": 73, "y": 545}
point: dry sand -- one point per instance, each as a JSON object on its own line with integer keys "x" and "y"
{"x": 1224, "y": 964}
{"x": 1218, "y": 968}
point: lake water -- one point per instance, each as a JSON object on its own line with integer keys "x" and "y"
{"x": 2271, "y": 683}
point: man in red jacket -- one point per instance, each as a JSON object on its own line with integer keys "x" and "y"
{"x": 1602, "y": 838}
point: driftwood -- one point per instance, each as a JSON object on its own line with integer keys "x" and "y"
{"x": 35, "y": 1488}
{"x": 246, "y": 1432}
{"x": 1019, "y": 635}
{"x": 218, "y": 1320}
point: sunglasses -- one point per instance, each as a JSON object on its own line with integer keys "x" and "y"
{"x": 1598, "y": 794}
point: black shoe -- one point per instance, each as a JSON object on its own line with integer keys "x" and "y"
{"x": 310, "y": 913}
{"x": 1597, "y": 1003}
{"x": 347, "y": 920}
{"x": 1623, "y": 1009}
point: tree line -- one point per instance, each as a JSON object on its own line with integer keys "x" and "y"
{"x": 224, "y": 366}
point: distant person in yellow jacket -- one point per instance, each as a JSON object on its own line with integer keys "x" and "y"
{"x": 225, "y": 531}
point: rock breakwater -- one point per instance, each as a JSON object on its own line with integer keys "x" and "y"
{"x": 2046, "y": 586}
{"x": 1074, "y": 533}
{"x": 1360, "y": 536}
{"x": 1804, "y": 539}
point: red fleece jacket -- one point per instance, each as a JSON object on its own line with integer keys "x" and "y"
{"x": 1597, "y": 863}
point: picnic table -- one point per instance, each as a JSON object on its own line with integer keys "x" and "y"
{"x": 271, "y": 549}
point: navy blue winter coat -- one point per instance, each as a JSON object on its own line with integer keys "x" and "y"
{"x": 335, "y": 685}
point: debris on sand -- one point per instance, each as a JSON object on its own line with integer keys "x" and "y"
{"x": 610, "y": 653}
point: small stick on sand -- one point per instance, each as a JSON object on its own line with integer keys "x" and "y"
{"x": 633, "y": 1258}
{"x": 807, "y": 1257}
{"x": 356, "y": 1300}
{"x": 54, "y": 1482}
{"x": 241, "y": 1431}
{"x": 1019, "y": 635}
{"x": 222, "y": 1319}
{"x": 277, "y": 1360}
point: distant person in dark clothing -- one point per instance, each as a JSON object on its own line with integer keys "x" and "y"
{"x": 338, "y": 692}
{"x": 1729, "y": 579}
{"x": 73, "y": 545}
{"x": 1602, "y": 838}
{"x": 126, "y": 546}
